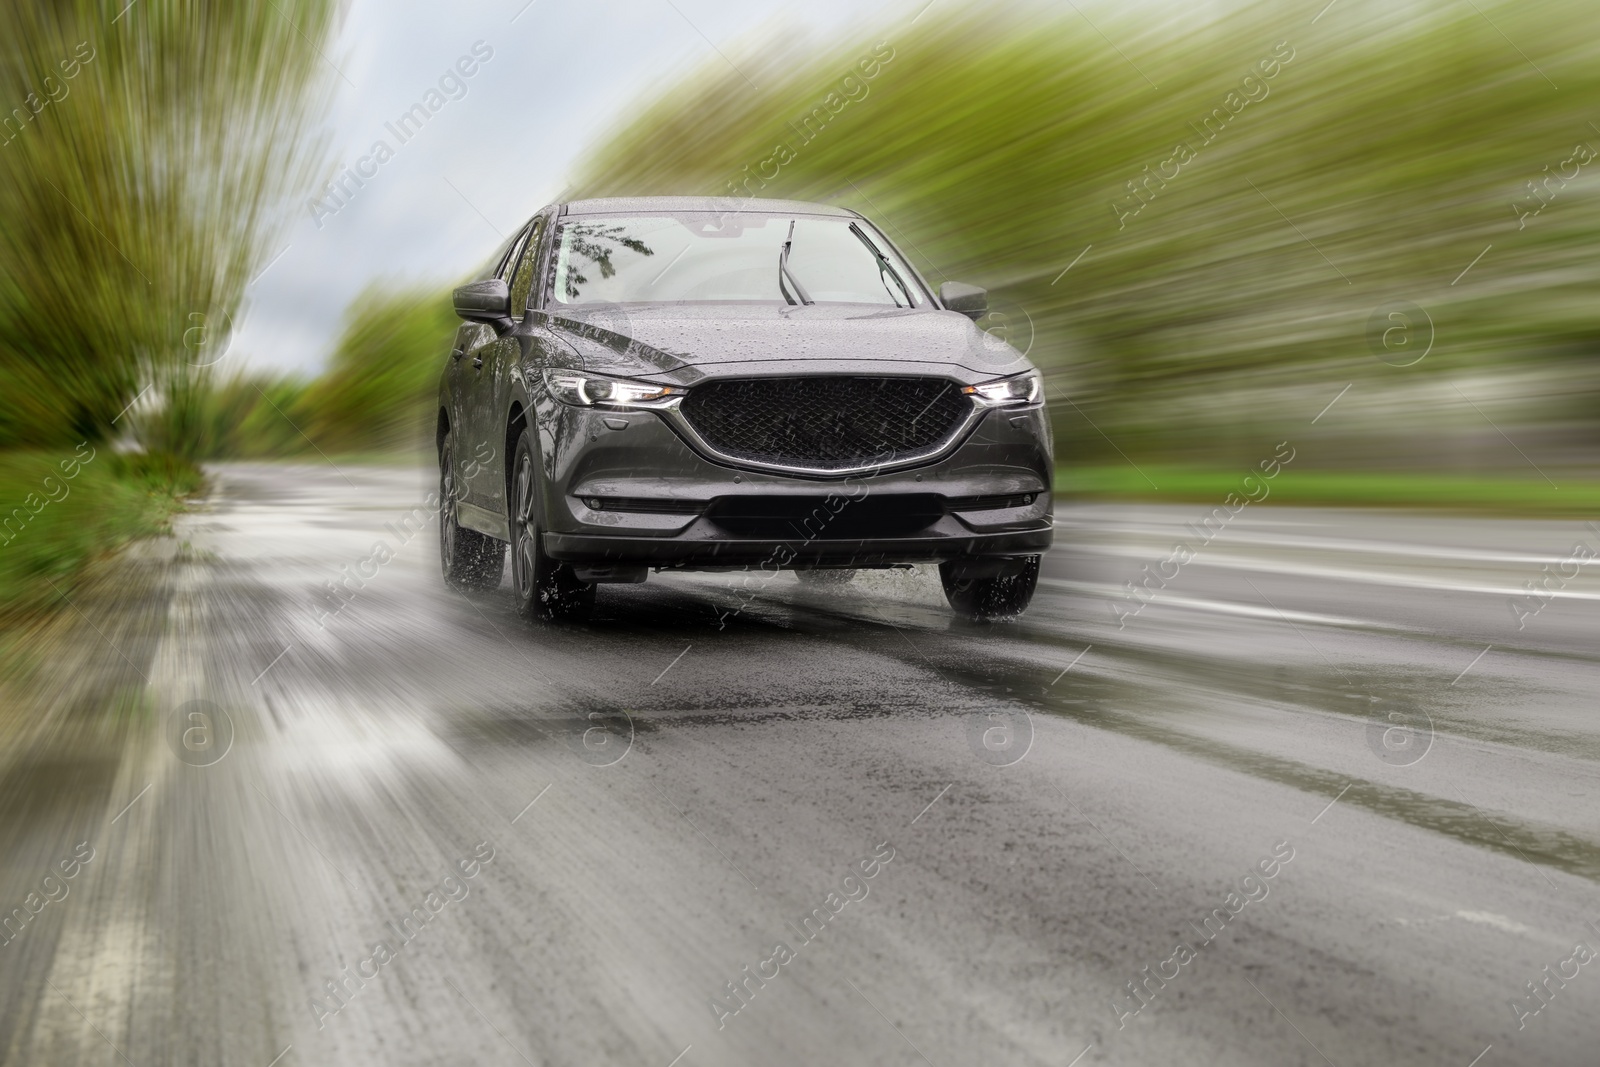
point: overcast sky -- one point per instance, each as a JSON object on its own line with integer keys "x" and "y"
{"x": 561, "y": 75}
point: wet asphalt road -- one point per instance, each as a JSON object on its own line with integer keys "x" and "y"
{"x": 561, "y": 844}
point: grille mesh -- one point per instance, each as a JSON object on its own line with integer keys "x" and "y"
{"x": 812, "y": 518}
{"x": 828, "y": 423}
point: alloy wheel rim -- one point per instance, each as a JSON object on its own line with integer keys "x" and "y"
{"x": 447, "y": 508}
{"x": 524, "y": 531}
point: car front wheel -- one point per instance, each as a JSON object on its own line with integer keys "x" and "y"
{"x": 990, "y": 589}
{"x": 545, "y": 588}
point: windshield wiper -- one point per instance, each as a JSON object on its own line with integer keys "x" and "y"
{"x": 884, "y": 267}
{"x": 784, "y": 274}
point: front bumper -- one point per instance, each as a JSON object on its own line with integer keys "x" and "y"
{"x": 717, "y": 553}
{"x": 624, "y": 488}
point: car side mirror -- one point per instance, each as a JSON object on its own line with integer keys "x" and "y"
{"x": 488, "y": 301}
{"x": 967, "y": 299}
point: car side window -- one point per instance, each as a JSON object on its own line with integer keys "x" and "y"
{"x": 548, "y": 288}
{"x": 522, "y": 280}
{"x": 509, "y": 256}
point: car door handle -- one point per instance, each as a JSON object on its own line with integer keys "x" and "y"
{"x": 456, "y": 354}
{"x": 477, "y": 362}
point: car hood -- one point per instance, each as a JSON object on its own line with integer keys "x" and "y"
{"x": 685, "y": 343}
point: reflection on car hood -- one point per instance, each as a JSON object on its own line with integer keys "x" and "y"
{"x": 684, "y": 343}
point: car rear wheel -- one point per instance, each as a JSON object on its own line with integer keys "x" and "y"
{"x": 545, "y": 588}
{"x": 997, "y": 589}
{"x": 471, "y": 562}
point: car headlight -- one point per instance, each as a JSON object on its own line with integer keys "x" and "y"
{"x": 1022, "y": 389}
{"x": 590, "y": 390}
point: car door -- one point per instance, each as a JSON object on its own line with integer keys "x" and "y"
{"x": 470, "y": 336}
{"x": 501, "y": 358}
{"x": 478, "y": 448}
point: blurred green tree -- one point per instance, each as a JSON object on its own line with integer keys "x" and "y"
{"x": 380, "y": 390}
{"x": 1000, "y": 143}
{"x": 144, "y": 172}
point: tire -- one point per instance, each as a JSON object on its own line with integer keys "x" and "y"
{"x": 827, "y": 578}
{"x": 471, "y": 562}
{"x": 544, "y": 588}
{"x": 990, "y": 590}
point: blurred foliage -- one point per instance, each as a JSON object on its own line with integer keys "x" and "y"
{"x": 60, "y": 510}
{"x": 146, "y": 162}
{"x": 381, "y": 387}
{"x": 241, "y": 417}
{"x": 146, "y": 154}
{"x": 378, "y": 394}
{"x": 1383, "y": 158}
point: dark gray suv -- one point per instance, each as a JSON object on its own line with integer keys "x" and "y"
{"x": 686, "y": 383}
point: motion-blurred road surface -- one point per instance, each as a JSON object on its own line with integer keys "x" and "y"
{"x": 1319, "y": 801}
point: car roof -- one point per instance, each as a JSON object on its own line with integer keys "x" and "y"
{"x": 624, "y": 205}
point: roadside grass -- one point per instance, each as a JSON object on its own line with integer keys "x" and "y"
{"x": 1495, "y": 495}
{"x": 60, "y": 511}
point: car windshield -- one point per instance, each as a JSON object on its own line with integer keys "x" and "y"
{"x": 742, "y": 256}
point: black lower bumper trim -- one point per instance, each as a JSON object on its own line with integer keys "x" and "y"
{"x": 713, "y": 554}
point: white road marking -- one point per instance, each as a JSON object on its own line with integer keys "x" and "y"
{"x": 1242, "y": 537}
{"x": 1219, "y": 607}
{"x": 1346, "y": 574}
{"x": 1499, "y": 922}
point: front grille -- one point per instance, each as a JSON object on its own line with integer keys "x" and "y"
{"x": 810, "y": 518}
{"x": 826, "y": 424}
